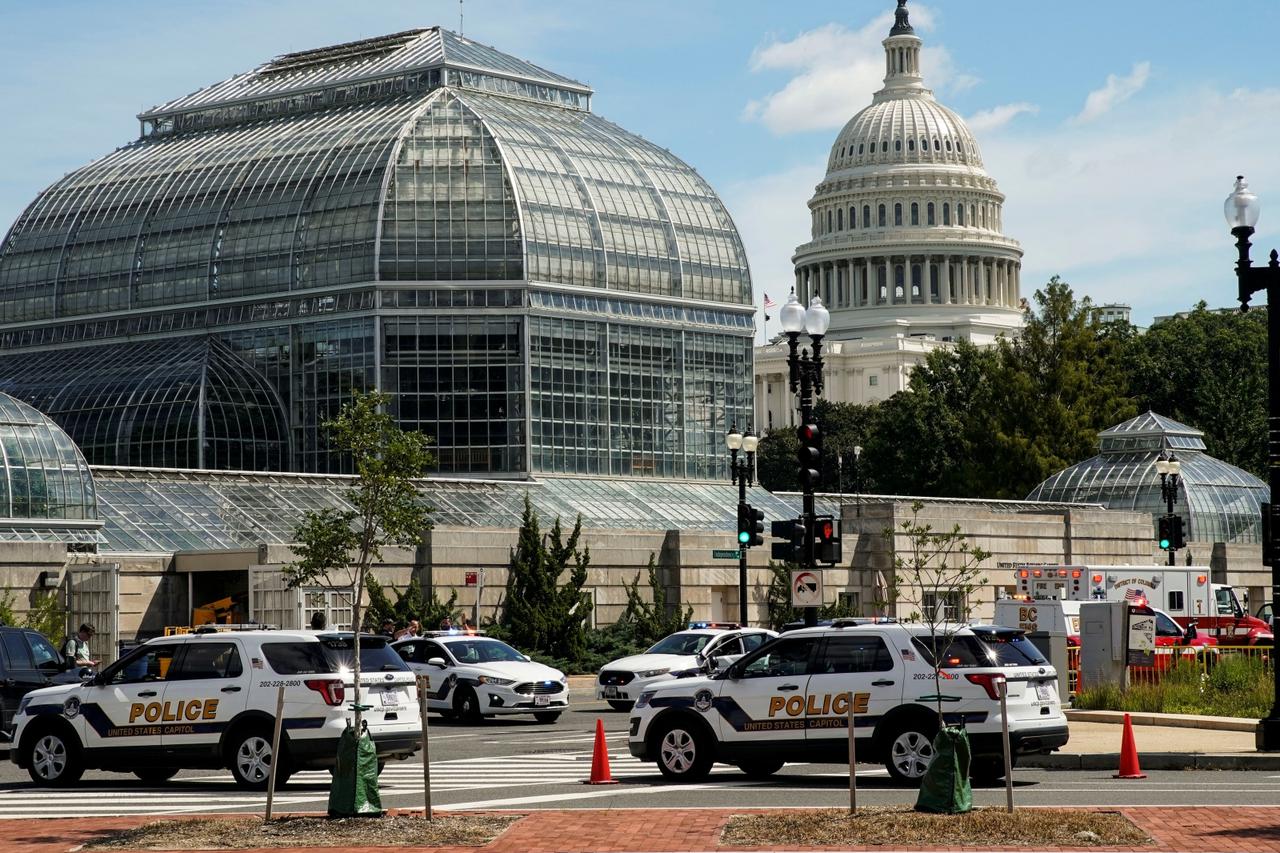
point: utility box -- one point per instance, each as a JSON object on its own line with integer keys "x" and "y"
{"x": 1103, "y": 632}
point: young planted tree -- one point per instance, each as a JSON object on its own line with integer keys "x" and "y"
{"x": 336, "y": 547}
{"x": 653, "y": 619}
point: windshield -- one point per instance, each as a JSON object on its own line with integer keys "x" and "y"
{"x": 483, "y": 651}
{"x": 991, "y": 648}
{"x": 680, "y": 644}
{"x": 375, "y": 654}
{"x": 1166, "y": 627}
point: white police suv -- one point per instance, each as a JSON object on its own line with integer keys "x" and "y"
{"x": 473, "y": 676}
{"x": 620, "y": 682}
{"x": 788, "y": 701}
{"x": 208, "y": 700}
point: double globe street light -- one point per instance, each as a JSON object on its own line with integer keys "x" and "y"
{"x": 1241, "y": 210}
{"x": 741, "y": 469}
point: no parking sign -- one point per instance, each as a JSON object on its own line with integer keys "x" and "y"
{"x": 806, "y": 588}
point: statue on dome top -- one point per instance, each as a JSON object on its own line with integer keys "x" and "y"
{"x": 901, "y": 25}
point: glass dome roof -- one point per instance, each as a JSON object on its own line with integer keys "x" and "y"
{"x": 45, "y": 475}
{"x": 1218, "y": 502}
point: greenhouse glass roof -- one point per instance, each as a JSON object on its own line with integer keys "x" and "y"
{"x": 1217, "y": 501}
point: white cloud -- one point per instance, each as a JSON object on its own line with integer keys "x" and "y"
{"x": 835, "y": 71}
{"x": 1116, "y": 91}
{"x": 995, "y": 117}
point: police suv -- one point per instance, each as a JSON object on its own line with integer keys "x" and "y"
{"x": 789, "y": 701}
{"x": 473, "y": 676}
{"x": 208, "y": 700}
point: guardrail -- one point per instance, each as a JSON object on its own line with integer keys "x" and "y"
{"x": 1203, "y": 658}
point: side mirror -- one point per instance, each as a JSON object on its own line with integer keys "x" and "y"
{"x": 89, "y": 677}
{"x": 437, "y": 662}
{"x": 526, "y": 657}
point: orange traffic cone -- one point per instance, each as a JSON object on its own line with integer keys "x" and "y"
{"x": 1129, "y": 768}
{"x": 600, "y": 759}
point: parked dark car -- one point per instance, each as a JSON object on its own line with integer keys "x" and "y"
{"x": 28, "y": 661}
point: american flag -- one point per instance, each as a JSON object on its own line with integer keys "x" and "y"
{"x": 1133, "y": 594}
{"x": 769, "y": 304}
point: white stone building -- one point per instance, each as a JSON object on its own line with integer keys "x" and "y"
{"x": 907, "y": 248}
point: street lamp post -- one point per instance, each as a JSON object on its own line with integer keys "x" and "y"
{"x": 805, "y": 375}
{"x": 742, "y": 470}
{"x": 1169, "y": 469}
{"x": 1242, "y": 210}
{"x": 857, "y": 481}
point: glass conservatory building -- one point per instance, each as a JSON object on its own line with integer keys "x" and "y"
{"x": 538, "y": 289}
{"x": 1218, "y": 502}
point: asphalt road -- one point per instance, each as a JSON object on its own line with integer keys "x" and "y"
{"x": 521, "y": 764}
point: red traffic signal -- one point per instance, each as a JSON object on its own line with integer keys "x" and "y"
{"x": 809, "y": 455}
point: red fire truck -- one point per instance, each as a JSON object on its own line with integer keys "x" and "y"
{"x": 1186, "y": 594}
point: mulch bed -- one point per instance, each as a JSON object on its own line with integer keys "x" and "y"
{"x": 251, "y": 833}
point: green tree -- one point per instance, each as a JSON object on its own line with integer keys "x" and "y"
{"x": 1208, "y": 370}
{"x": 653, "y": 618}
{"x": 776, "y": 460}
{"x": 539, "y": 612}
{"x": 842, "y": 427}
{"x": 337, "y": 546}
{"x": 410, "y": 604}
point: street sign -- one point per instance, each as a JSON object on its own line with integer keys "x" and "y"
{"x": 1142, "y": 638}
{"x": 721, "y": 554}
{"x": 806, "y": 588}
{"x": 470, "y": 578}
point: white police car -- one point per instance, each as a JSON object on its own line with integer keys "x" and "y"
{"x": 473, "y": 676}
{"x": 620, "y": 682}
{"x": 208, "y": 700}
{"x": 788, "y": 701}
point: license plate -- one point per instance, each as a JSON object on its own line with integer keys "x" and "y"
{"x": 390, "y": 698}
{"x": 541, "y": 700}
{"x": 611, "y": 692}
{"x": 1042, "y": 692}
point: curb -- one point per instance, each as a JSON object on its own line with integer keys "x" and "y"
{"x": 1177, "y": 721}
{"x": 1153, "y": 761}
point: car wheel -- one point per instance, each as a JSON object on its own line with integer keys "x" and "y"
{"x": 684, "y": 753}
{"x": 621, "y": 704}
{"x": 546, "y": 716}
{"x": 53, "y": 759}
{"x": 155, "y": 775}
{"x": 466, "y": 705}
{"x": 760, "y": 769}
{"x": 909, "y": 751}
{"x": 987, "y": 769}
{"x": 251, "y": 760}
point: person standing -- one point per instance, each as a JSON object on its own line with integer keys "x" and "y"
{"x": 77, "y": 647}
{"x": 318, "y": 621}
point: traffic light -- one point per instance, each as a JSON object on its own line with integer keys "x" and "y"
{"x": 791, "y": 550}
{"x": 1176, "y": 537}
{"x": 1166, "y": 532}
{"x": 827, "y": 539}
{"x": 755, "y": 526}
{"x": 809, "y": 455}
{"x": 744, "y": 525}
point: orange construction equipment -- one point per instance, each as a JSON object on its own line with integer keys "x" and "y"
{"x": 600, "y": 774}
{"x": 1129, "y": 768}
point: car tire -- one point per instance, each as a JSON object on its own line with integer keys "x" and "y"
{"x": 53, "y": 758}
{"x": 987, "y": 769}
{"x": 908, "y": 749}
{"x": 684, "y": 752}
{"x": 155, "y": 775}
{"x": 621, "y": 704}
{"x": 546, "y": 716}
{"x": 760, "y": 769}
{"x": 466, "y": 705}
{"x": 250, "y": 759}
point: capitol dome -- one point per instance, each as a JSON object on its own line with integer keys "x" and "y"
{"x": 906, "y": 231}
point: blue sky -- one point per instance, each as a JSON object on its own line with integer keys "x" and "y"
{"x": 1114, "y": 128}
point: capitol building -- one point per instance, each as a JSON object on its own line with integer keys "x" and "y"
{"x": 907, "y": 248}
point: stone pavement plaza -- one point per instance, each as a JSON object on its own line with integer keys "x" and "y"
{"x": 1193, "y": 830}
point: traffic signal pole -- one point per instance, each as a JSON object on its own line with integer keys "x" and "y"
{"x": 808, "y": 509}
{"x": 742, "y": 557}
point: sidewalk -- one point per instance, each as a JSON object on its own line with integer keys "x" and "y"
{"x": 1193, "y": 744}
{"x": 1177, "y": 830}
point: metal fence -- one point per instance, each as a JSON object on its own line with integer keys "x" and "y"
{"x": 1201, "y": 658}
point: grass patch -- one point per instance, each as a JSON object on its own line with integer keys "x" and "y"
{"x": 903, "y": 828}
{"x": 242, "y": 833}
{"x": 1235, "y": 686}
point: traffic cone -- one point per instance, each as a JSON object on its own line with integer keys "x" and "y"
{"x": 600, "y": 774}
{"x": 1129, "y": 768}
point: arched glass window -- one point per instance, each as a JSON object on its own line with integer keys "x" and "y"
{"x": 852, "y": 219}
{"x": 866, "y": 216}
{"x": 828, "y": 222}
{"x": 929, "y": 214}
{"x": 973, "y": 216}
{"x": 881, "y": 217}
{"x": 933, "y": 283}
{"x": 982, "y": 213}
{"x": 960, "y": 215}
{"x": 884, "y": 147}
{"x": 882, "y": 286}
{"x": 897, "y": 145}
{"x": 948, "y": 144}
{"x": 915, "y": 213}
{"x": 860, "y": 147}
{"x": 897, "y": 214}
{"x": 911, "y": 145}
{"x": 840, "y": 219}
{"x": 915, "y": 281}
{"x": 924, "y": 144}
{"x": 946, "y": 213}
{"x": 899, "y": 286}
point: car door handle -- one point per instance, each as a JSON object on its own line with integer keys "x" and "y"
{"x": 147, "y": 693}
{"x": 231, "y": 689}
{"x": 884, "y": 682}
{"x": 789, "y": 687}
